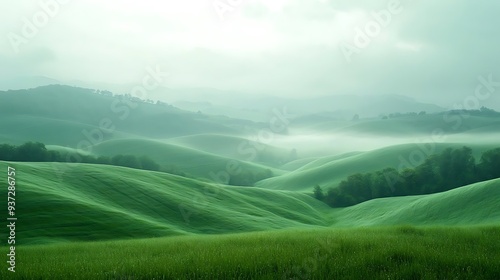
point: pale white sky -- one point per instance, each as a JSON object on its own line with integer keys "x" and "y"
{"x": 431, "y": 50}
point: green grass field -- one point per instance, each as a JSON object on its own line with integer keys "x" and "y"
{"x": 402, "y": 252}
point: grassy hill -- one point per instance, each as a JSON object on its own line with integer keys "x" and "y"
{"x": 461, "y": 206}
{"x": 77, "y": 202}
{"x": 58, "y": 201}
{"x": 191, "y": 161}
{"x": 235, "y": 147}
{"x": 48, "y": 130}
{"x": 329, "y": 171}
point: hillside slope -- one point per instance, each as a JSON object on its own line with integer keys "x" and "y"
{"x": 37, "y": 114}
{"x": 473, "y": 204}
{"x": 61, "y": 202}
{"x": 191, "y": 161}
{"x": 58, "y": 201}
{"x": 331, "y": 170}
{"x": 235, "y": 147}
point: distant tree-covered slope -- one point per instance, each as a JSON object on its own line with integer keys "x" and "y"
{"x": 331, "y": 170}
{"x": 441, "y": 172}
{"x": 65, "y": 115}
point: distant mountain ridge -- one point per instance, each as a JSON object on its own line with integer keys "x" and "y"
{"x": 257, "y": 108}
{"x": 252, "y": 106}
{"x": 26, "y": 82}
{"x": 46, "y": 111}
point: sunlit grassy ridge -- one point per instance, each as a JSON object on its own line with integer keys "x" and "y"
{"x": 369, "y": 253}
{"x": 60, "y": 201}
{"x": 331, "y": 170}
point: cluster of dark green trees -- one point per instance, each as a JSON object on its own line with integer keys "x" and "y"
{"x": 451, "y": 169}
{"x": 37, "y": 152}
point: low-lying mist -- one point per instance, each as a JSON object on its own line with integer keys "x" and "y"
{"x": 317, "y": 144}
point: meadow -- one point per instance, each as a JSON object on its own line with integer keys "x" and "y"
{"x": 402, "y": 252}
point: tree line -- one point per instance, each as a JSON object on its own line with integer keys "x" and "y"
{"x": 448, "y": 170}
{"x": 37, "y": 152}
{"x": 483, "y": 111}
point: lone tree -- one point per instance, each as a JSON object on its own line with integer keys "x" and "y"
{"x": 318, "y": 193}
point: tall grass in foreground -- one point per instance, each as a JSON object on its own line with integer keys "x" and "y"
{"x": 361, "y": 253}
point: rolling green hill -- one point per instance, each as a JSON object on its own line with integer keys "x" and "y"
{"x": 193, "y": 162}
{"x": 59, "y": 201}
{"x": 462, "y": 206}
{"x": 235, "y": 147}
{"x": 62, "y": 202}
{"x": 331, "y": 170}
{"x": 48, "y": 130}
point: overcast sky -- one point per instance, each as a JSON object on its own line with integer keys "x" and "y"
{"x": 431, "y": 50}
